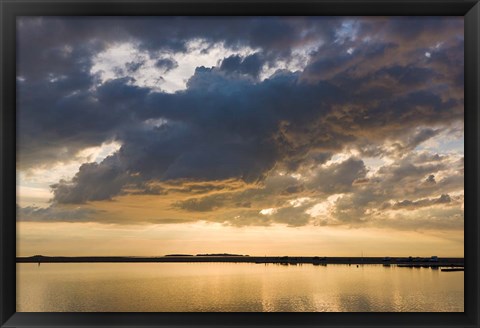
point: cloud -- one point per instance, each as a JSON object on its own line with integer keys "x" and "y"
{"x": 338, "y": 178}
{"x": 55, "y": 214}
{"x": 166, "y": 64}
{"x": 133, "y": 66}
{"x": 429, "y": 219}
{"x": 387, "y": 189}
{"x": 250, "y": 65}
{"x": 204, "y": 204}
{"x": 229, "y": 139}
{"x": 93, "y": 182}
{"x": 67, "y": 47}
{"x": 430, "y": 180}
{"x": 238, "y": 139}
{"x": 443, "y": 199}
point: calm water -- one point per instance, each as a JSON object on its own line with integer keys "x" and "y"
{"x": 173, "y": 287}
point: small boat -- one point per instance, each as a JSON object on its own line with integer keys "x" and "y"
{"x": 453, "y": 269}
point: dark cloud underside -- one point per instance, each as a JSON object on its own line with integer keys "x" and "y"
{"x": 378, "y": 86}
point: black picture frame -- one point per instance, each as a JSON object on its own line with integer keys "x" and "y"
{"x": 10, "y": 9}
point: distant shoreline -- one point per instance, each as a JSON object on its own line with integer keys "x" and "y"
{"x": 316, "y": 260}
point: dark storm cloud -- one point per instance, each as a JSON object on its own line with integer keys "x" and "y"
{"x": 250, "y": 65}
{"x": 92, "y": 182}
{"x": 411, "y": 76}
{"x": 335, "y": 59}
{"x": 410, "y": 30}
{"x": 211, "y": 134}
{"x": 166, "y": 64}
{"x": 378, "y": 60}
{"x": 422, "y": 136}
{"x": 133, "y": 66}
{"x": 367, "y": 85}
{"x": 55, "y": 123}
{"x": 55, "y": 57}
{"x": 41, "y": 37}
{"x": 61, "y": 49}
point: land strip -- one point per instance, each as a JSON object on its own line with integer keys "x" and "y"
{"x": 318, "y": 260}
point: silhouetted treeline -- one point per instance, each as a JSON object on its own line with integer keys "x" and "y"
{"x": 222, "y": 254}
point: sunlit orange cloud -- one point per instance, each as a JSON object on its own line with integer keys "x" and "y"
{"x": 154, "y": 224}
{"x": 166, "y": 205}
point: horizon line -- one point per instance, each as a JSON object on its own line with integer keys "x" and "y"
{"x": 233, "y": 255}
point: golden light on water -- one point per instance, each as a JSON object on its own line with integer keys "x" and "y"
{"x": 228, "y": 287}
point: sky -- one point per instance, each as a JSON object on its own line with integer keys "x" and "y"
{"x": 328, "y": 136}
